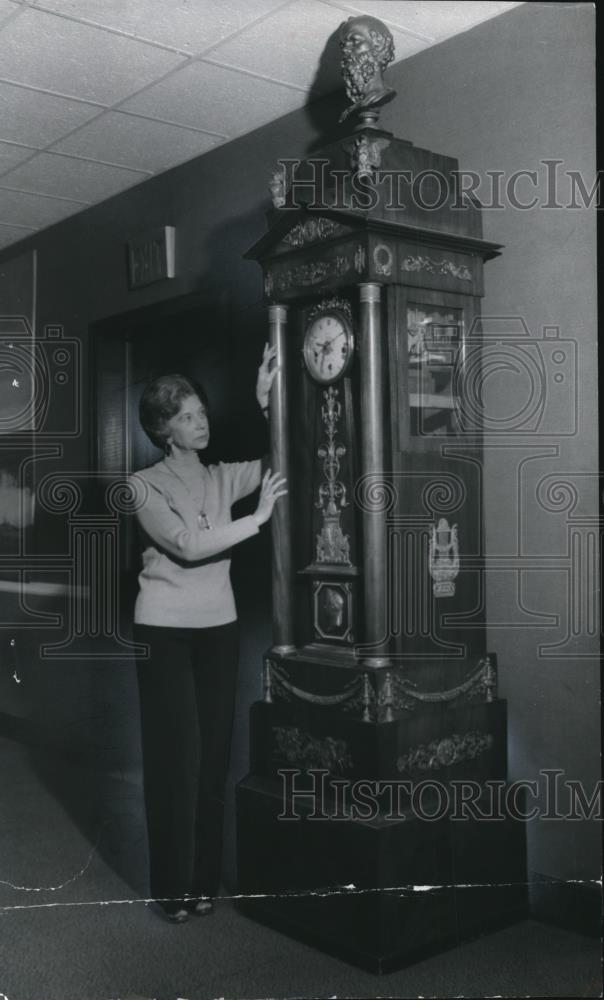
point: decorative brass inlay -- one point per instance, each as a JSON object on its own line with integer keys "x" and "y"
{"x": 368, "y": 698}
{"x": 267, "y": 692}
{"x": 437, "y": 267}
{"x": 395, "y": 692}
{"x": 349, "y": 697}
{"x": 382, "y": 259}
{"x": 360, "y": 258}
{"x": 335, "y": 605}
{"x": 333, "y": 546}
{"x": 278, "y": 188}
{"x": 444, "y": 558}
{"x": 489, "y": 679}
{"x": 325, "y": 305}
{"x": 310, "y": 273}
{"x": 299, "y": 747}
{"x": 446, "y": 752}
{"x": 312, "y": 231}
{"x": 366, "y": 154}
{"x": 401, "y": 694}
{"x": 333, "y": 611}
{"x": 385, "y": 698}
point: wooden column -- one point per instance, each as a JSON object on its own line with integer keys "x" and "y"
{"x": 373, "y": 463}
{"x": 281, "y": 525}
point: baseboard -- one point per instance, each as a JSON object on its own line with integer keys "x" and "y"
{"x": 39, "y": 737}
{"x": 574, "y": 906}
{"x": 14, "y": 727}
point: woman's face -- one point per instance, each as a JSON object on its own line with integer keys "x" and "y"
{"x": 189, "y": 429}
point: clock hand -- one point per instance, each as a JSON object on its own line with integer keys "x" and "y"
{"x": 326, "y": 346}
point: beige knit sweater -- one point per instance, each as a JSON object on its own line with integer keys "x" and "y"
{"x": 185, "y": 580}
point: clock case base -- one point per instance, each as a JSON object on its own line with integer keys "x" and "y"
{"x": 469, "y": 878}
{"x": 296, "y": 869}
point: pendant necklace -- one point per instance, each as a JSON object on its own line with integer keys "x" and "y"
{"x": 202, "y": 518}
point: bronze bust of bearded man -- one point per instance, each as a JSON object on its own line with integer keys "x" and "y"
{"x": 367, "y": 50}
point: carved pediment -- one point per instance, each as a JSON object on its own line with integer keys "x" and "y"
{"x": 294, "y": 230}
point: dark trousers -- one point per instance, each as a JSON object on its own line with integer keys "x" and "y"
{"x": 187, "y": 697}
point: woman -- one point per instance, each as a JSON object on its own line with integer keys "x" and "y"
{"x": 185, "y": 613}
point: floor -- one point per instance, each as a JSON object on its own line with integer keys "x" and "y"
{"x": 74, "y": 923}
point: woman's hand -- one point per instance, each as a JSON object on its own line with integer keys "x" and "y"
{"x": 273, "y": 487}
{"x": 266, "y": 375}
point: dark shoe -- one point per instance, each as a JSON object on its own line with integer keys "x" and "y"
{"x": 172, "y": 910}
{"x": 202, "y": 907}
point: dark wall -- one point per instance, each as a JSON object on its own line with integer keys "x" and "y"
{"x": 87, "y": 705}
{"x": 504, "y": 96}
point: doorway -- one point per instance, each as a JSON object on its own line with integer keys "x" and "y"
{"x": 186, "y": 335}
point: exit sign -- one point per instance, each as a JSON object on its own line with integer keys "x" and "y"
{"x": 151, "y": 257}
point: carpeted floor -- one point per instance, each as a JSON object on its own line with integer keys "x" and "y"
{"x": 74, "y": 924}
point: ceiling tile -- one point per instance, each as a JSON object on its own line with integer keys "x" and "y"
{"x": 36, "y": 119}
{"x": 7, "y": 8}
{"x": 24, "y": 209}
{"x": 216, "y": 99}
{"x": 66, "y": 177}
{"x": 10, "y": 234}
{"x": 11, "y": 155}
{"x": 438, "y": 19}
{"x": 136, "y": 142}
{"x": 41, "y": 50}
{"x": 102, "y": 52}
{"x": 299, "y": 34}
{"x": 189, "y": 25}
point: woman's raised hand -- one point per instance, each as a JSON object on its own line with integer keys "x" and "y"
{"x": 273, "y": 487}
{"x": 266, "y": 375}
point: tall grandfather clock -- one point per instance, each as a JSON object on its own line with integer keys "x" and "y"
{"x": 368, "y": 824}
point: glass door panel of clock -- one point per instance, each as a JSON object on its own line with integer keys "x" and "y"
{"x": 434, "y": 340}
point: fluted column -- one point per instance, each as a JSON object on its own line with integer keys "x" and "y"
{"x": 281, "y": 525}
{"x": 373, "y": 460}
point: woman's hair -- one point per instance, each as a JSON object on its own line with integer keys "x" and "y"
{"x": 162, "y": 400}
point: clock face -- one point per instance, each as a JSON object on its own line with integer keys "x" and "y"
{"x": 328, "y": 346}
